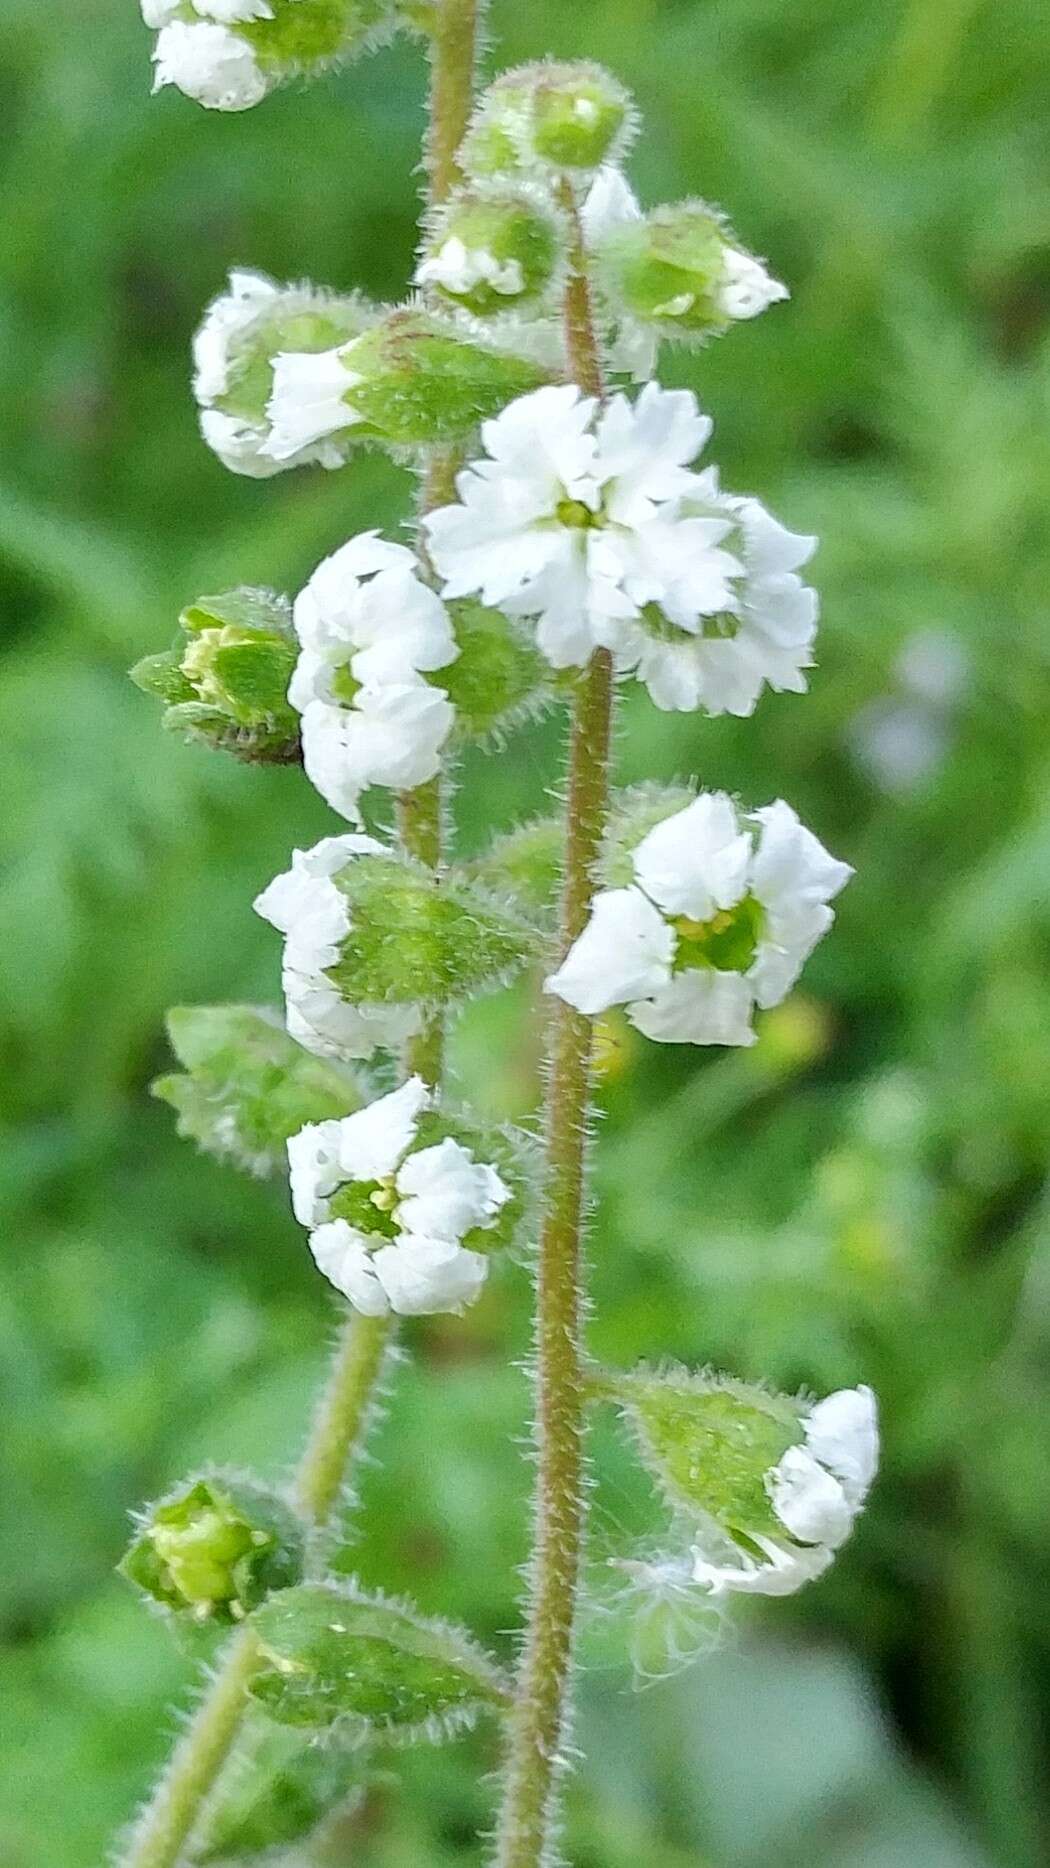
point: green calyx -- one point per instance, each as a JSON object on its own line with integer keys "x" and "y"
{"x": 298, "y": 319}
{"x": 307, "y": 35}
{"x": 276, "y": 1790}
{"x": 415, "y": 383}
{"x": 506, "y": 244}
{"x": 526, "y": 864}
{"x": 334, "y": 1657}
{"x": 225, "y": 679}
{"x": 727, "y": 942}
{"x": 499, "y": 676}
{"x": 246, "y": 1086}
{"x": 710, "y": 1442}
{"x": 418, "y": 939}
{"x": 215, "y": 1548}
{"x": 551, "y": 116}
{"x": 667, "y": 270}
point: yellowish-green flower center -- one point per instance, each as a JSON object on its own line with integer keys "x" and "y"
{"x": 728, "y": 941}
{"x": 573, "y": 512}
{"x": 200, "y": 1555}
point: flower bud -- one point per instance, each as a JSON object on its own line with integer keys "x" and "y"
{"x": 556, "y": 116}
{"x": 771, "y": 1485}
{"x": 499, "y": 677}
{"x": 242, "y": 332}
{"x": 245, "y": 1086}
{"x": 230, "y": 54}
{"x": 215, "y": 1547}
{"x": 409, "y": 381}
{"x": 225, "y": 681}
{"x": 679, "y": 271}
{"x": 491, "y": 252}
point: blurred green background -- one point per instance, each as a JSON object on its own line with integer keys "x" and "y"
{"x": 864, "y": 1196}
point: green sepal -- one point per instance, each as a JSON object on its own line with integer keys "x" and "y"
{"x": 246, "y": 1086}
{"x": 306, "y": 36}
{"x": 709, "y": 1442}
{"x": 499, "y": 677}
{"x": 632, "y": 814}
{"x": 277, "y": 1789}
{"x": 338, "y": 1658}
{"x": 666, "y": 270}
{"x": 526, "y": 864}
{"x": 225, "y": 681}
{"x": 215, "y": 1547}
{"x": 423, "y": 385}
{"x": 416, "y": 938}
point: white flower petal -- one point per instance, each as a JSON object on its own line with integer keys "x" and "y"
{"x": 780, "y": 1574}
{"x": 624, "y": 953}
{"x": 696, "y": 861}
{"x": 791, "y": 866}
{"x": 343, "y": 1256}
{"x": 209, "y": 63}
{"x": 314, "y": 1170}
{"x": 229, "y": 11}
{"x": 424, "y": 1277}
{"x": 842, "y": 1431}
{"x": 809, "y": 1502}
{"x": 699, "y": 1006}
{"x": 307, "y": 401}
{"x": 444, "y": 1192}
{"x": 373, "y": 1140}
{"x": 746, "y": 288}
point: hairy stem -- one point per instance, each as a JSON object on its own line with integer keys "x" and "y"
{"x": 342, "y": 1418}
{"x": 539, "y": 1723}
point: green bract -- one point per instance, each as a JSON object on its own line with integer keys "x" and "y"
{"x": 225, "y": 679}
{"x": 246, "y": 1086}
{"x": 710, "y": 1442}
{"x": 414, "y": 382}
{"x": 418, "y": 939}
{"x": 499, "y": 677}
{"x": 335, "y": 1656}
{"x": 215, "y": 1547}
{"x": 668, "y": 269}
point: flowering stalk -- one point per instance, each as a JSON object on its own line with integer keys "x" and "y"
{"x": 540, "y": 1717}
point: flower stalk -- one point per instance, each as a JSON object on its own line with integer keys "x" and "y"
{"x": 539, "y": 1722}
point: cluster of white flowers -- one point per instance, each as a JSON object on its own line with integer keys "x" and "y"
{"x": 723, "y": 913}
{"x": 368, "y": 629}
{"x": 412, "y": 1207}
{"x": 307, "y": 906}
{"x": 198, "y": 51}
{"x": 592, "y": 521}
{"x": 816, "y": 1491}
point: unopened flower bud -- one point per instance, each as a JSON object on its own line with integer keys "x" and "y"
{"x": 409, "y": 381}
{"x": 225, "y": 680}
{"x": 242, "y": 332}
{"x": 680, "y": 271}
{"x": 491, "y": 251}
{"x": 230, "y": 54}
{"x": 555, "y": 116}
{"x": 215, "y": 1547}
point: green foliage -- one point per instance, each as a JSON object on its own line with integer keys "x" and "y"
{"x": 246, "y": 1086}
{"x": 215, "y": 1547}
{"x": 278, "y": 1789}
{"x": 335, "y": 1657}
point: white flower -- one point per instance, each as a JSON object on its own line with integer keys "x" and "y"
{"x": 230, "y": 317}
{"x": 572, "y": 518}
{"x": 816, "y": 1491}
{"x": 369, "y": 628}
{"x": 313, "y": 914}
{"x": 157, "y": 13}
{"x": 307, "y": 401}
{"x": 229, "y": 11}
{"x": 236, "y": 442}
{"x": 209, "y": 63}
{"x": 764, "y": 635}
{"x": 746, "y": 287}
{"x": 722, "y": 915}
{"x": 412, "y": 1207}
{"x": 459, "y": 268}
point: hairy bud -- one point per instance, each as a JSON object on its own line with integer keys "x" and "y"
{"x": 225, "y": 680}
{"x": 550, "y": 116}
{"x": 215, "y": 1547}
{"x": 230, "y": 54}
{"x": 491, "y": 251}
{"x": 680, "y": 271}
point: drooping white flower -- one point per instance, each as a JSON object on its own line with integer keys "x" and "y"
{"x": 308, "y": 401}
{"x": 369, "y": 628}
{"x": 816, "y": 1491}
{"x": 313, "y": 914}
{"x": 763, "y": 637}
{"x": 210, "y": 63}
{"x": 410, "y": 1206}
{"x": 460, "y": 268}
{"x": 723, "y": 913}
{"x": 572, "y": 518}
{"x": 747, "y": 288}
